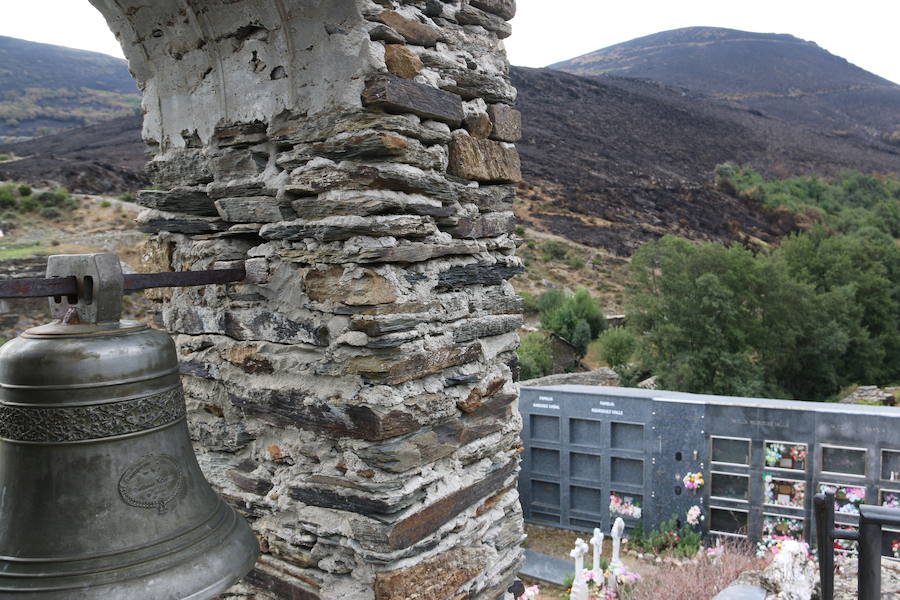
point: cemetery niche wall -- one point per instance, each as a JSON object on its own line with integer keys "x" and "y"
{"x": 593, "y": 454}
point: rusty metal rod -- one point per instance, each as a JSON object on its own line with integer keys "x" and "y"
{"x": 68, "y": 286}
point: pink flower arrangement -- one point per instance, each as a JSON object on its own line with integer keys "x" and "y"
{"x": 626, "y": 506}
{"x": 890, "y": 499}
{"x": 694, "y": 516}
{"x": 895, "y": 548}
{"x": 693, "y": 481}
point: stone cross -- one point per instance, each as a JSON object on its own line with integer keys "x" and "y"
{"x": 597, "y": 543}
{"x": 579, "y": 586}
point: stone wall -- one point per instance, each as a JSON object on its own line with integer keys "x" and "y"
{"x": 356, "y": 397}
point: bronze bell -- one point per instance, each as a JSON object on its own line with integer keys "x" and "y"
{"x": 101, "y": 496}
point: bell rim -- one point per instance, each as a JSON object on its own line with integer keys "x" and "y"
{"x": 60, "y": 330}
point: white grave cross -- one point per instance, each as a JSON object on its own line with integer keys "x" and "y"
{"x": 579, "y": 587}
{"x": 615, "y": 563}
{"x": 597, "y": 543}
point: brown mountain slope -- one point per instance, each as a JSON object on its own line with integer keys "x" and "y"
{"x": 612, "y": 162}
{"x": 777, "y": 74}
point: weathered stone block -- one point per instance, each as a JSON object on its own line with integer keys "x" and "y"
{"x": 253, "y": 209}
{"x": 385, "y": 176}
{"x": 235, "y": 163}
{"x": 478, "y": 125}
{"x": 401, "y": 61}
{"x": 507, "y": 123}
{"x": 484, "y": 225}
{"x": 502, "y": 8}
{"x": 471, "y": 84}
{"x": 183, "y": 167}
{"x": 358, "y": 289}
{"x": 413, "y": 31}
{"x": 484, "y": 160}
{"x": 241, "y": 134}
{"x": 395, "y": 94}
{"x": 418, "y": 582}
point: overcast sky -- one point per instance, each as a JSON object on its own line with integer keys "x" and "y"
{"x": 865, "y": 32}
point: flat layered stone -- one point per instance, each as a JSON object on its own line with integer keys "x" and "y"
{"x": 377, "y": 145}
{"x": 305, "y": 130}
{"x": 469, "y": 15}
{"x": 363, "y": 289}
{"x": 414, "y": 32}
{"x": 345, "y": 227}
{"x": 434, "y": 443}
{"x": 383, "y": 176}
{"x": 507, "y": 123}
{"x": 457, "y": 567}
{"x": 404, "y": 252}
{"x": 364, "y": 203}
{"x": 484, "y": 160}
{"x": 480, "y": 327}
{"x": 248, "y": 324}
{"x": 155, "y": 221}
{"x": 402, "y": 61}
{"x": 395, "y": 94}
{"x": 470, "y": 84}
{"x": 279, "y": 581}
{"x": 502, "y": 8}
{"x": 417, "y": 527}
{"x": 254, "y": 209}
{"x": 394, "y": 368}
{"x": 188, "y": 200}
{"x": 476, "y": 274}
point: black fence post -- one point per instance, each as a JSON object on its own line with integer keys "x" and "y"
{"x": 823, "y": 504}
{"x": 870, "y": 522}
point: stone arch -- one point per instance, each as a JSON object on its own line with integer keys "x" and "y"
{"x": 204, "y": 64}
{"x": 356, "y": 397}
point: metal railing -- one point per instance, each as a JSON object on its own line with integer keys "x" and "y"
{"x": 869, "y": 538}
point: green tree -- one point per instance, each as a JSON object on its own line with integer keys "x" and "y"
{"x": 617, "y": 346}
{"x": 535, "y": 356}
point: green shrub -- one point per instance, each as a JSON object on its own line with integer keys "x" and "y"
{"x": 520, "y": 230}
{"x": 24, "y": 190}
{"x": 49, "y": 212}
{"x": 127, "y": 197}
{"x": 4, "y": 157}
{"x": 7, "y": 197}
{"x": 56, "y": 197}
{"x": 553, "y": 250}
{"x": 9, "y": 216}
{"x": 27, "y": 204}
{"x": 669, "y": 538}
{"x": 105, "y": 204}
{"x": 535, "y": 356}
{"x": 617, "y": 346}
{"x": 575, "y": 261}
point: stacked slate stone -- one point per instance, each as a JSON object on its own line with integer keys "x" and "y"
{"x": 356, "y": 397}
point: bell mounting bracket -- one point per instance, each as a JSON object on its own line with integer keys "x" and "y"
{"x": 92, "y": 285}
